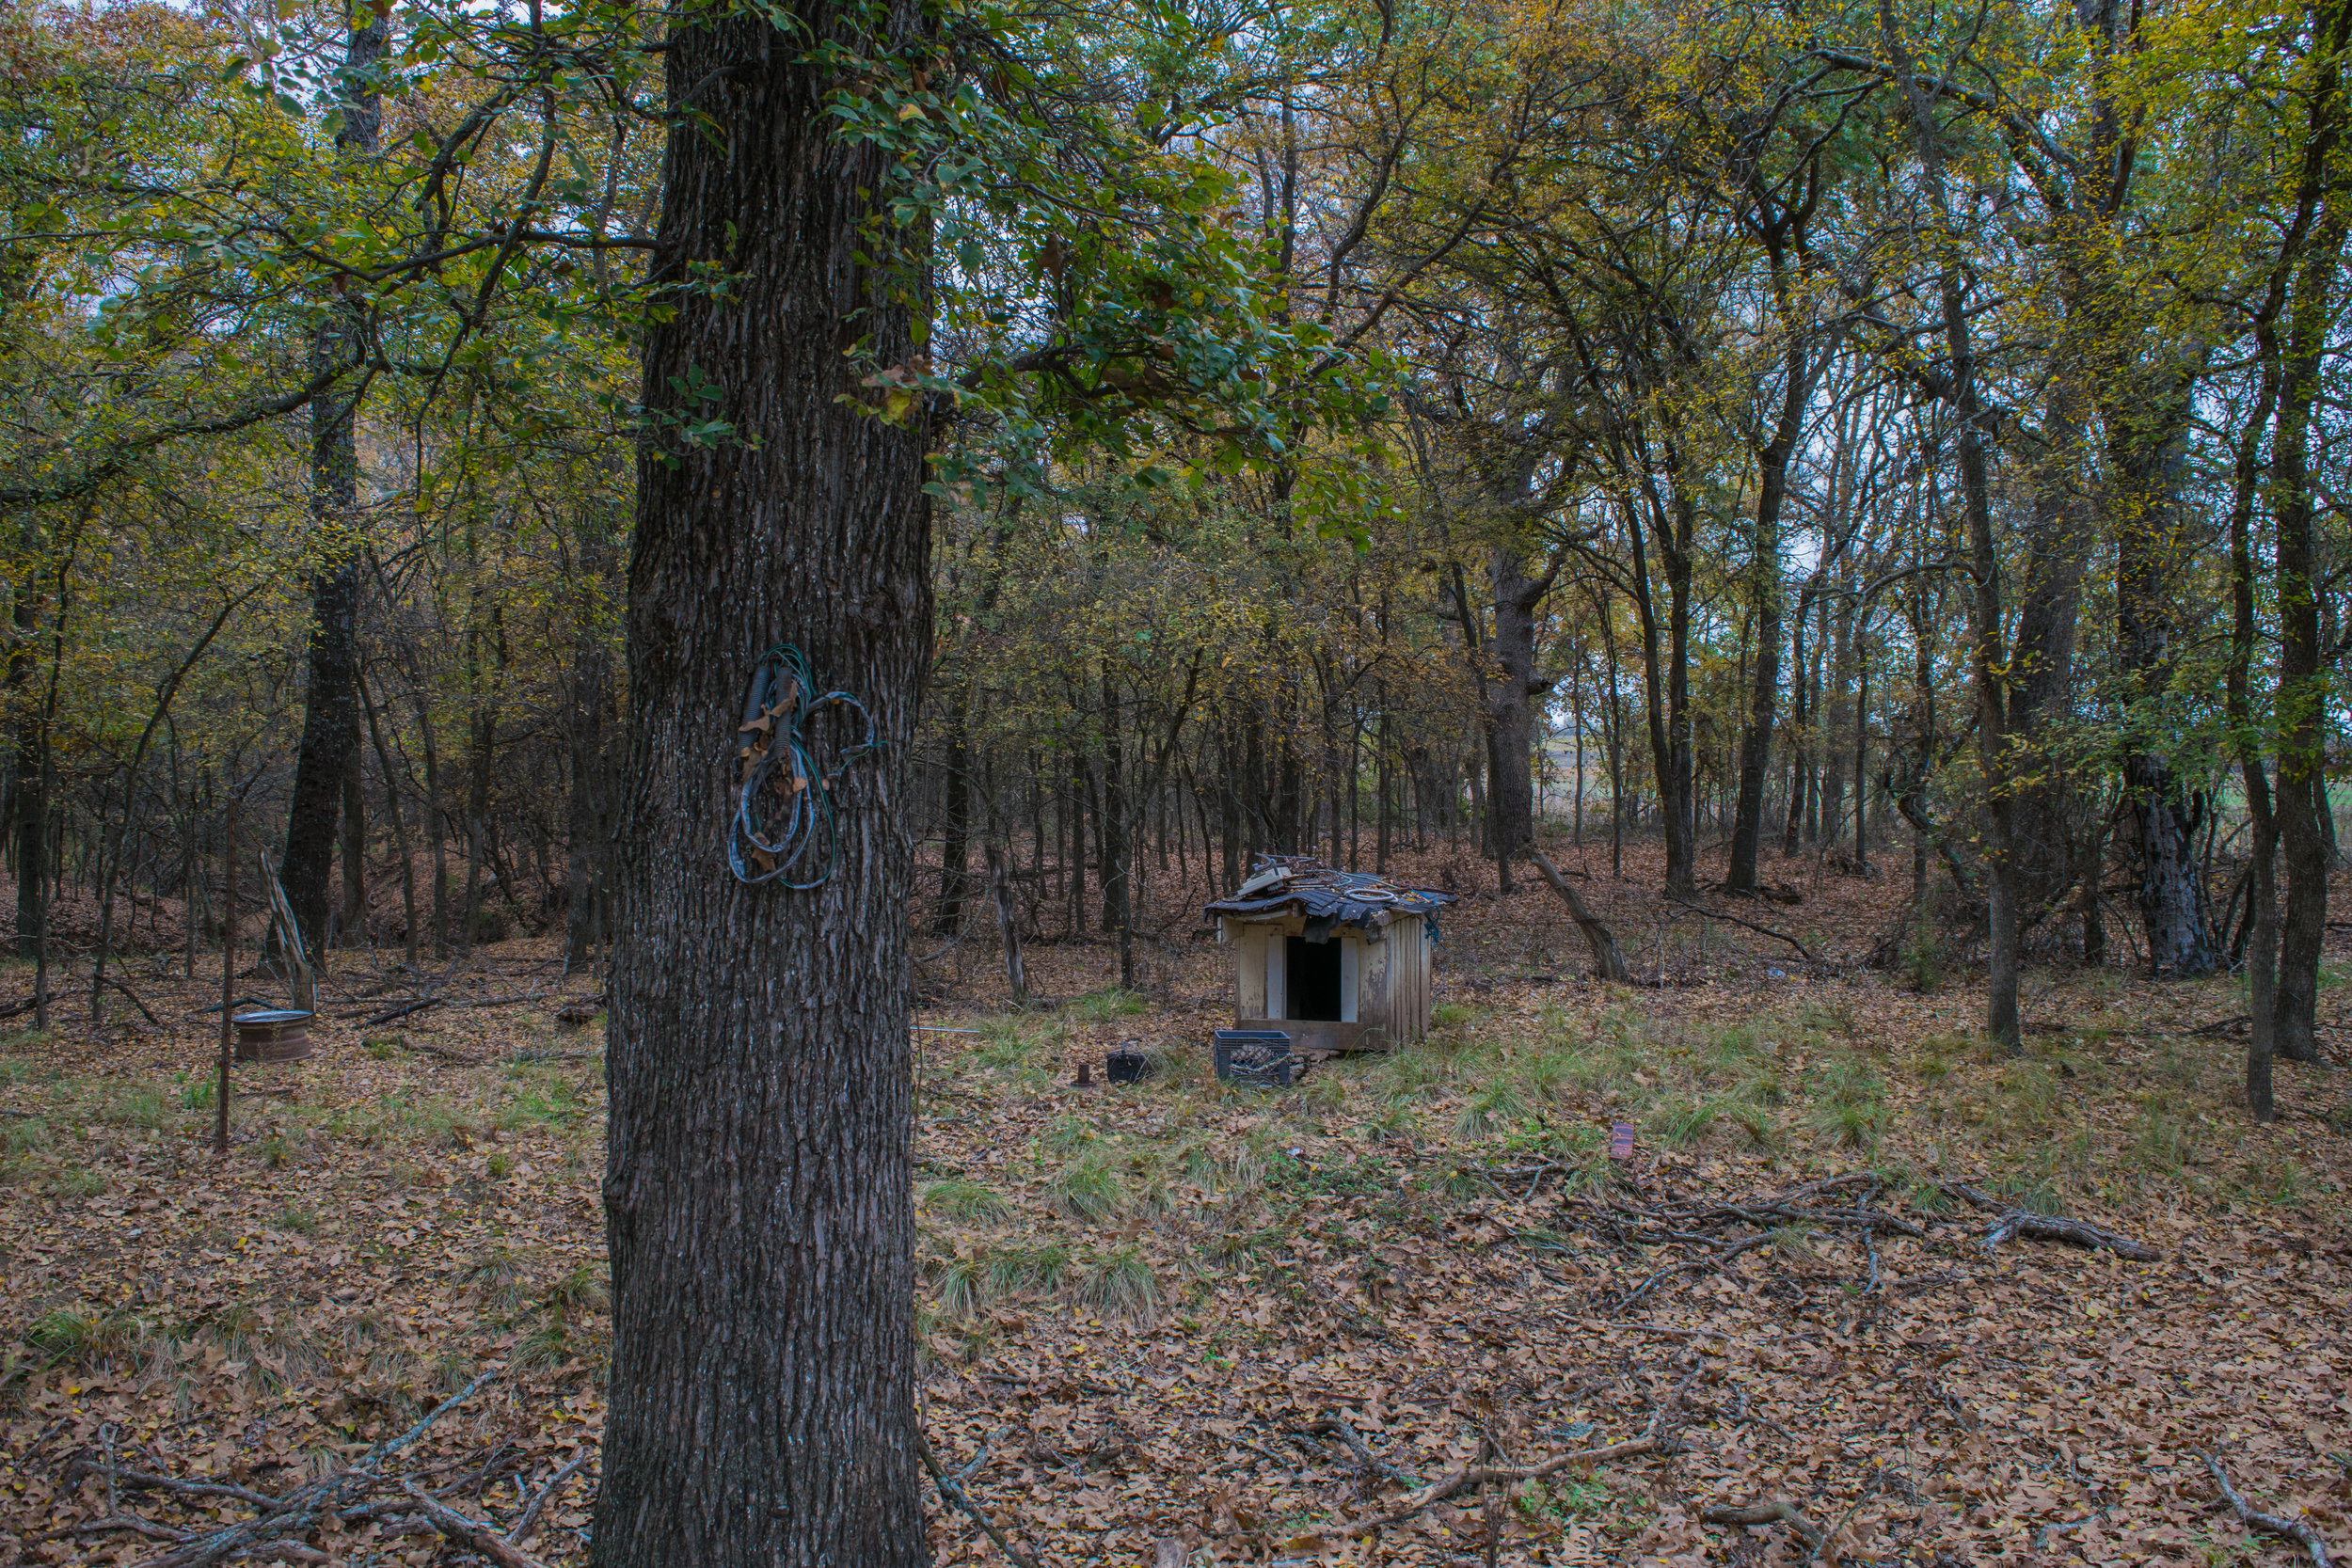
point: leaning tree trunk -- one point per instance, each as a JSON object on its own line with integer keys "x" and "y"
{"x": 330, "y": 719}
{"x": 757, "y": 1199}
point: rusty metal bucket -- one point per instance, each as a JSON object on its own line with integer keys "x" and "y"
{"x": 280, "y": 1035}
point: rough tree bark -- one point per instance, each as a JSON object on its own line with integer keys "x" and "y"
{"x": 1510, "y": 710}
{"x": 1756, "y": 743}
{"x": 588, "y": 875}
{"x": 2302, "y": 722}
{"x": 757, "y": 1197}
{"x": 330, "y": 719}
{"x": 2147, "y": 452}
{"x": 1958, "y": 388}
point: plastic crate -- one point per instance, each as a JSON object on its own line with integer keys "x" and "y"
{"x": 1259, "y": 1056}
{"x": 1128, "y": 1066}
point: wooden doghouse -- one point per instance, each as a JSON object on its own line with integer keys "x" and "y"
{"x": 1340, "y": 961}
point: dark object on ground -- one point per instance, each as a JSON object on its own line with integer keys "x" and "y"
{"x": 1128, "y": 1066}
{"x": 279, "y": 1035}
{"x": 1259, "y": 1056}
{"x": 580, "y": 1014}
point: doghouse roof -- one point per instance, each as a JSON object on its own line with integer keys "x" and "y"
{"x": 1287, "y": 885}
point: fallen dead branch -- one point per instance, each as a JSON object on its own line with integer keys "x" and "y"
{"x": 1489, "y": 1475}
{"x": 2011, "y": 1221}
{"x": 402, "y": 1011}
{"x": 1333, "y": 1427}
{"x": 1750, "y": 1515}
{"x": 1657, "y": 1439}
{"x": 145, "y": 1011}
{"x": 281, "y": 1521}
{"x": 1748, "y": 925}
{"x": 1608, "y": 963}
{"x": 2270, "y": 1524}
{"x": 952, "y": 1493}
{"x": 440, "y": 1053}
{"x": 471, "y": 1533}
{"x": 530, "y": 1515}
{"x": 1713, "y": 1225}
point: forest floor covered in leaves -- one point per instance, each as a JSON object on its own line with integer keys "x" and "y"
{"x": 1408, "y": 1312}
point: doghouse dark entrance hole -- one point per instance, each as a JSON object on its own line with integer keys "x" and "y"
{"x": 1313, "y": 974}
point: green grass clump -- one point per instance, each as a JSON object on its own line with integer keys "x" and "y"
{"x": 967, "y": 1201}
{"x": 1067, "y": 1136}
{"x": 2166, "y": 1137}
{"x": 1489, "y": 1110}
{"x": 1108, "y": 1005}
{"x": 130, "y": 1105}
{"x": 1679, "y": 1122}
{"x": 1758, "y": 1126}
{"x": 1087, "y": 1189}
{"x": 1014, "y": 1270}
{"x": 76, "y": 1181}
{"x": 1846, "y": 1125}
{"x": 1002, "y": 1044}
{"x": 1122, "y": 1282}
{"x": 302, "y": 1221}
{"x": 85, "y": 1339}
{"x": 962, "y": 1288}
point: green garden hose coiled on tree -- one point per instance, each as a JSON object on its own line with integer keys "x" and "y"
{"x": 784, "y": 806}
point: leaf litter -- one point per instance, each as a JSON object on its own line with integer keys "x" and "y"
{"x": 1408, "y": 1312}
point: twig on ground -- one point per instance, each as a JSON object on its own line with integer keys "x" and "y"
{"x": 440, "y": 1053}
{"x": 145, "y": 1011}
{"x": 2014, "y": 1221}
{"x": 1481, "y": 1475}
{"x": 2271, "y": 1524}
{"x": 1780, "y": 1511}
{"x": 952, "y": 1493}
{"x": 1762, "y": 930}
{"x": 2041, "y": 1536}
{"x": 402, "y": 1011}
{"x": 1330, "y": 1426}
{"x": 1656, "y": 1440}
{"x": 539, "y": 1498}
{"x": 113, "y": 1522}
{"x": 471, "y": 1533}
{"x": 300, "y": 1509}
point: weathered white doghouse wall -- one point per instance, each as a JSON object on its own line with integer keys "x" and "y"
{"x": 1384, "y": 975}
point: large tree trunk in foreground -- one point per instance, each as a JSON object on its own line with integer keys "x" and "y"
{"x": 330, "y": 719}
{"x": 758, "y": 1202}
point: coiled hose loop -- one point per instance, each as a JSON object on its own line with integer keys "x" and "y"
{"x": 784, "y": 806}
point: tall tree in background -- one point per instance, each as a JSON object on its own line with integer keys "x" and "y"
{"x": 331, "y": 724}
{"x": 2302, "y": 701}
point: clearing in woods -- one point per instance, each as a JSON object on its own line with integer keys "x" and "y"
{"x": 1410, "y": 1312}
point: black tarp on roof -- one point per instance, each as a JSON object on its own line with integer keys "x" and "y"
{"x": 1288, "y": 885}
